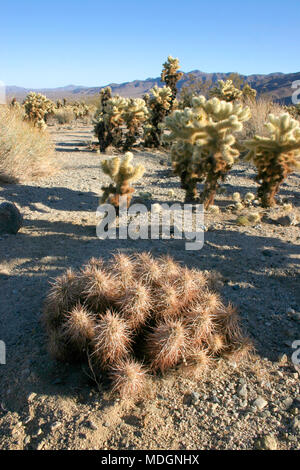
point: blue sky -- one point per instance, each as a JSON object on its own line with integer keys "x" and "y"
{"x": 93, "y": 43}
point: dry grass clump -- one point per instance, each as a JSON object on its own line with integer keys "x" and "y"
{"x": 136, "y": 314}
{"x": 260, "y": 110}
{"x": 64, "y": 115}
{"x": 25, "y": 152}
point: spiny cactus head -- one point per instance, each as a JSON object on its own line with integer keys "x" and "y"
{"x": 129, "y": 378}
{"x": 112, "y": 339}
{"x": 79, "y": 327}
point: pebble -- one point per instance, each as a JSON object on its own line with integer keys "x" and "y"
{"x": 242, "y": 391}
{"x": 268, "y": 442}
{"x": 260, "y": 403}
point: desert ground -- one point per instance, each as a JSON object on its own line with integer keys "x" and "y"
{"x": 47, "y": 405}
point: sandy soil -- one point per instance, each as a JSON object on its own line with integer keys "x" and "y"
{"x": 45, "y": 405}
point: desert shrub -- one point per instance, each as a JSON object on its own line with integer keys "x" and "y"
{"x": 171, "y": 75}
{"x": 193, "y": 87}
{"x": 137, "y": 315}
{"x": 159, "y": 104}
{"x": 25, "y": 152}
{"x": 203, "y": 144}
{"x": 260, "y": 110}
{"x": 275, "y": 156}
{"x": 37, "y": 109}
{"x": 64, "y": 115}
{"x": 122, "y": 173}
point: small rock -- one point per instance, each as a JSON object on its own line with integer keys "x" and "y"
{"x": 11, "y": 219}
{"x": 282, "y": 359}
{"x": 296, "y": 423}
{"x": 287, "y": 403}
{"x": 260, "y": 403}
{"x": 242, "y": 391}
{"x": 268, "y": 442}
{"x": 287, "y": 220}
{"x": 91, "y": 425}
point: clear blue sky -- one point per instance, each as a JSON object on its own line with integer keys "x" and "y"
{"x": 94, "y": 42}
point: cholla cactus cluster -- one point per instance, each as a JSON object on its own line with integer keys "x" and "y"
{"x": 138, "y": 315}
{"x": 203, "y": 144}
{"x": 226, "y": 91}
{"x": 122, "y": 173}
{"x": 37, "y": 109}
{"x": 276, "y": 156}
{"x": 119, "y": 121}
{"x": 159, "y": 104}
{"x": 135, "y": 114}
{"x": 80, "y": 110}
{"x": 249, "y": 93}
{"x": 171, "y": 75}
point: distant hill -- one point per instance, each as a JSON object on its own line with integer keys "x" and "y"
{"x": 276, "y": 86}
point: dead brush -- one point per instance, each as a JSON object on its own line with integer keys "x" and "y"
{"x": 137, "y": 315}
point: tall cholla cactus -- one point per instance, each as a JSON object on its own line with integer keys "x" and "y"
{"x": 134, "y": 115}
{"x": 170, "y": 75}
{"x": 226, "y": 91}
{"x": 159, "y": 103}
{"x": 109, "y": 121}
{"x": 122, "y": 174}
{"x": 37, "y": 108}
{"x": 202, "y": 143}
{"x": 276, "y": 156}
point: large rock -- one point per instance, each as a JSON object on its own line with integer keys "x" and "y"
{"x": 11, "y": 219}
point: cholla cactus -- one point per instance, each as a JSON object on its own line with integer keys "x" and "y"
{"x": 159, "y": 104}
{"x": 249, "y": 93}
{"x": 275, "y": 156}
{"x": 37, "y": 109}
{"x": 226, "y": 91}
{"x": 122, "y": 174}
{"x": 203, "y": 144}
{"x": 171, "y": 76}
{"x": 109, "y": 121}
{"x": 134, "y": 115}
{"x": 138, "y": 315}
{"x": 80, "y": 110}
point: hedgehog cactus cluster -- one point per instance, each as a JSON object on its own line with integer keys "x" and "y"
{"x": 137, "y": 315}
{"x": 122, "y": 173}
{"x": 203, "y": 144}
{"x": 276, "y": 156}
{"x": 37, "y": 109}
